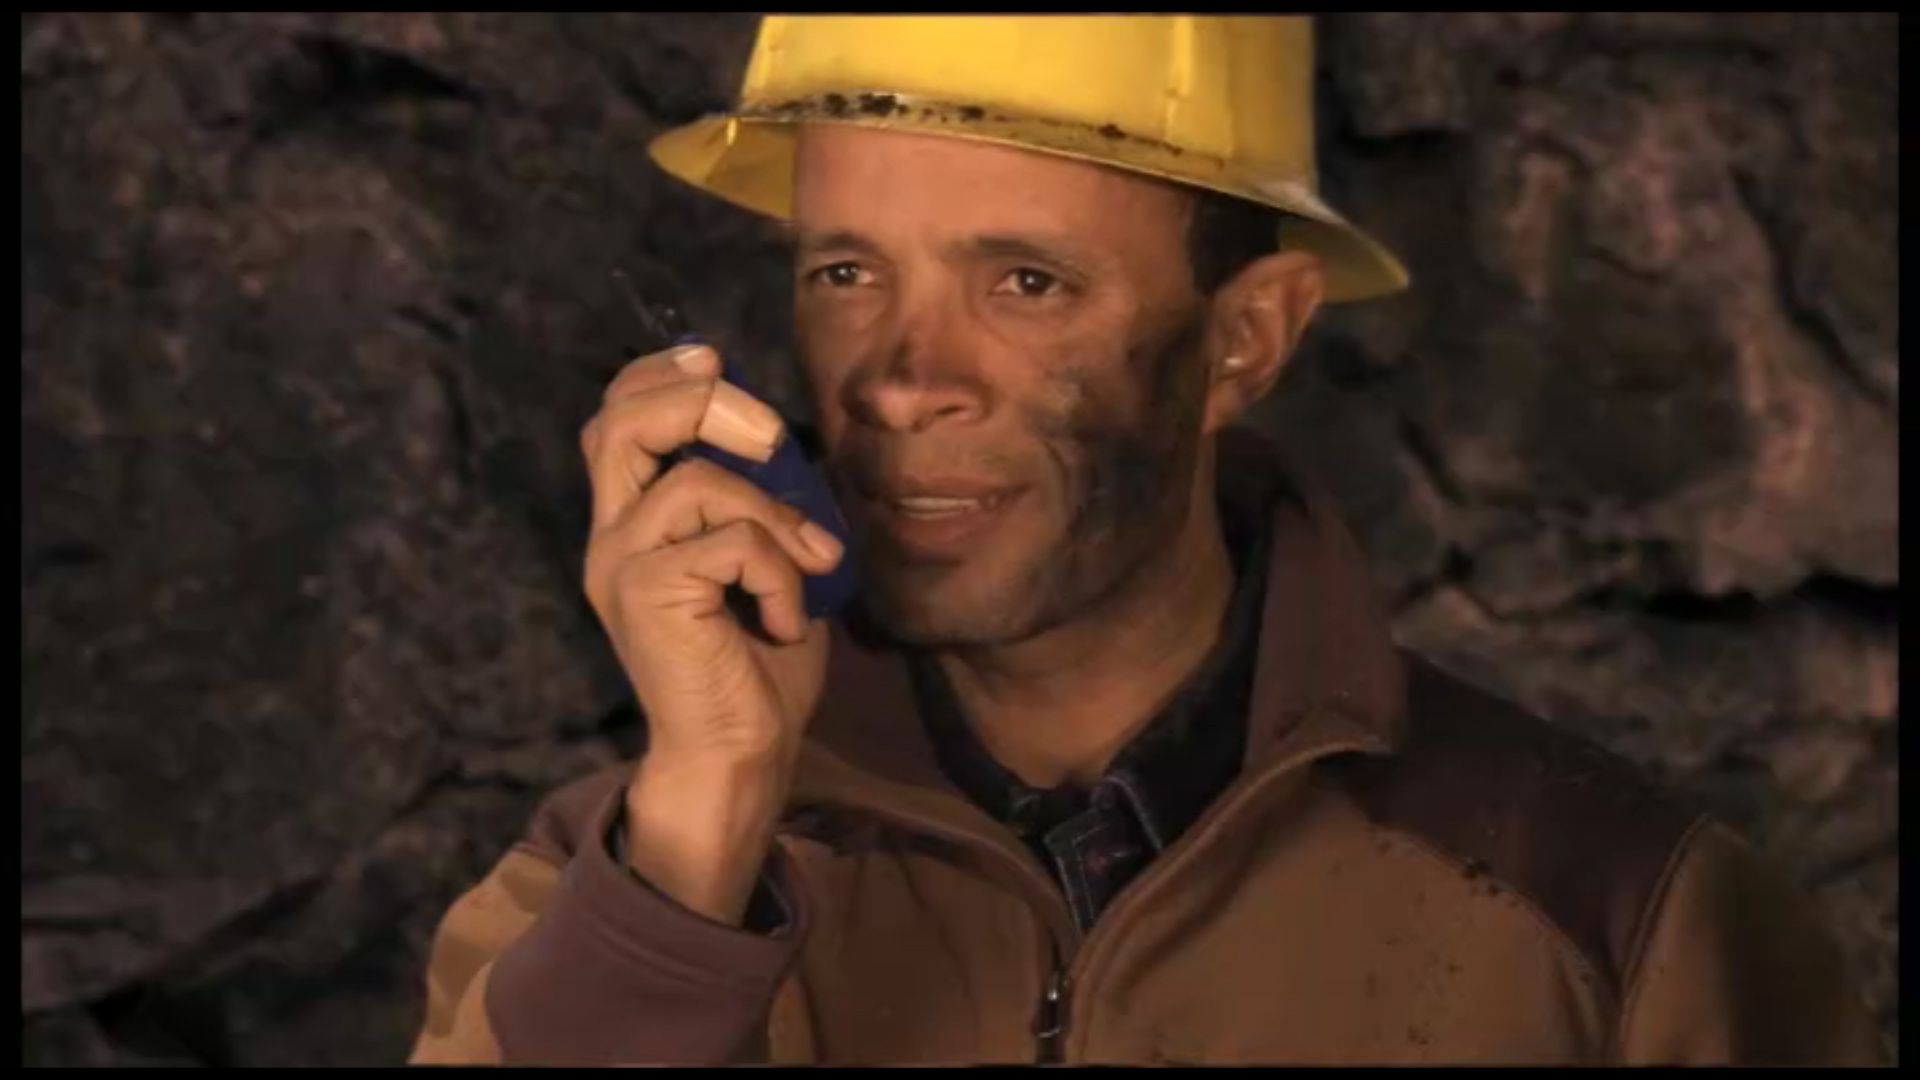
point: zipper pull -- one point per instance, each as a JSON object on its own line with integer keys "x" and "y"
{"x": 1050, "y": 1026}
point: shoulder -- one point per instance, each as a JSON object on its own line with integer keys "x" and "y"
{"x": 1738, "y": 966}
{"x": 1587, "y": 837}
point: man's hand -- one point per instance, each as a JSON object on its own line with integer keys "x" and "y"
{"x": 725, "y": 706}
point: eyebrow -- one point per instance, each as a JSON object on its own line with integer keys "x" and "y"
{"x": 1026, "y": 248}
{"x": 832, "y": 240}
{"x": 992, "y": 246}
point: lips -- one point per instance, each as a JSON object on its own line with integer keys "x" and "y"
{"x": 934, "y": 487}
{"x": 937, "y": 514}
{"x": 936, "y": 500}
{"x": 936, "y": 494}
{"x": 934, "y": 506}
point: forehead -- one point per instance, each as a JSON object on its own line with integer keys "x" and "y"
{"x": 847, "y": 176}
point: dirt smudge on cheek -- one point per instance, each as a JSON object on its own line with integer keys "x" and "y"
{"x": 1120, "y": 431}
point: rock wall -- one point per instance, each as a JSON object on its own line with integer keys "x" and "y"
{"x": 314, "y": 305}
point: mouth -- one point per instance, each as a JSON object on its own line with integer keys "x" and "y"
{"x": 942, "y": 507}
{"x": 938, "y": 516}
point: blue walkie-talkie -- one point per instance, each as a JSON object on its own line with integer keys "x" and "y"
{"x": 788, "y": 476}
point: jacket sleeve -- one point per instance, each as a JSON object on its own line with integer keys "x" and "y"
{"x": 1736, "y": 968}
{"x": 563, "y": 956}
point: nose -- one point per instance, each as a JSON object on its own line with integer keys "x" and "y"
{"x": 918, "y": 386}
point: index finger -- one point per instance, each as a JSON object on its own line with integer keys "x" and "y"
{"x": 625, "y": 442}
{"x": 654, "y": 370}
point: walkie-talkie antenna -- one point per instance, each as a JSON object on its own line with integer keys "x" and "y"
{"x": 656, "y": 308}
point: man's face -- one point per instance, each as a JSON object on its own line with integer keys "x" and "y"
{"x": 1005, "y": 350}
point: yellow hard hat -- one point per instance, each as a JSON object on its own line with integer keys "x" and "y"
{"x": 1218, "y": 102}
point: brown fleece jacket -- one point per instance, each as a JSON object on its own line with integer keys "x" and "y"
{"x": 1406, "y": 870}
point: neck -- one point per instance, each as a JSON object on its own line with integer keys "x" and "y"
{"x": 1057, "y": 707}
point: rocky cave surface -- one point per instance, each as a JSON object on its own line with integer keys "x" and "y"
{"x": 314, "y": 305}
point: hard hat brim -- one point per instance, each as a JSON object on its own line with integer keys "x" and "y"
{"x": 746, "y": 157}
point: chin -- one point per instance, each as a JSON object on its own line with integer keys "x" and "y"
{"x": 952, "y": 606}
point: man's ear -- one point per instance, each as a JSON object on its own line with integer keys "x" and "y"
{"x": 1258, "y": 319}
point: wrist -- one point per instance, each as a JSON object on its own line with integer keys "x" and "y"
{"x": 723, "y": 787}
{"x": 699, "y": 829}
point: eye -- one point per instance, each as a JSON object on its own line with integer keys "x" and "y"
{"x": 841, "y": 275}
{"x": 1030, "y": 283}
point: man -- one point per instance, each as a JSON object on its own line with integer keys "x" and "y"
{"x": 1115, "y": 761}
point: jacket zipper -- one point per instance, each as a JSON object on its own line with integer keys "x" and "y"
{"x": 1050, "y": 1021}
{"x": 1051, "y": 1018}
{"x": 1211, "y": 824}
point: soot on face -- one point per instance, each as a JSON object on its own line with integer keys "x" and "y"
{"x": 1125, "y": 452}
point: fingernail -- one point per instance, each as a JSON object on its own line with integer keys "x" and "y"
{"x": 739, "y": 423}
{"x": 821, "y": 542}
{"x": 695, "y": 359}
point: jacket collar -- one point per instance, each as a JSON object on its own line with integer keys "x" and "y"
{"x": 1328, "y": 674}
